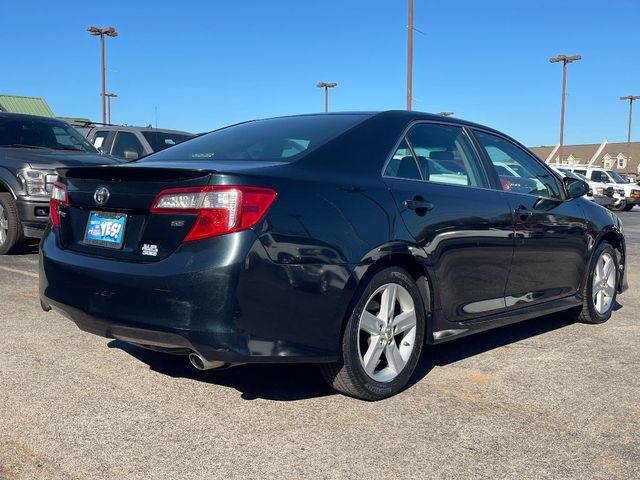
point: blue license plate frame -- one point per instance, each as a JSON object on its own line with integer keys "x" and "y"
{"x": 105, "y": 229}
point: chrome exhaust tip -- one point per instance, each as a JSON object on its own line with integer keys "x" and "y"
{"x": 201, "y": 363}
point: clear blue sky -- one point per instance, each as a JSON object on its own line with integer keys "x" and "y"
{"x": 205, "y": 64}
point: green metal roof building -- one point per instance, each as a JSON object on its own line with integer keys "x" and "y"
{"x": 29, "y": 105}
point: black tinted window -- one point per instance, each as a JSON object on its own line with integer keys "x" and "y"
{"x": 445, "y": 155}
{"x": 276, "y": 139}
{"x": 161, "y": 140}
{"x": 126, "y": 145}
{"x": 403, "y": 164}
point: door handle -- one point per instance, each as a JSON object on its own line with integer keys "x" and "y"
{"x": 523, "y": 213}
{"x": 419, "y": 205}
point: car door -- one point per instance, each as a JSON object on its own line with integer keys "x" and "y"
{"x": 550, "y": 242}
{"x": 463, "y": 226}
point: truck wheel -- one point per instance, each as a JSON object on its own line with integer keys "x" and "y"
{"x": 620, "y": 207}
{"x": 11, "y": 234}
{"x": 627, "y": 208}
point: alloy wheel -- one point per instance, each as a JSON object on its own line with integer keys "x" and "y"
{"x": 604, "y": 283}
{"x": 4, "y": 225}
{"x": 387, "y": 332}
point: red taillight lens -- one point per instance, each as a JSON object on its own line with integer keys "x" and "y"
{"x": 58, "y": 197}
{"x": 220, "y": 209}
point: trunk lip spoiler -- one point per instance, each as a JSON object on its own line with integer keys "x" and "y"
{"x": 100, "y": 172}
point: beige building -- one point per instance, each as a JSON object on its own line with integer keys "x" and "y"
{"x": 608, "y": 155}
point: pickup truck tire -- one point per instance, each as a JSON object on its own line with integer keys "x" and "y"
{"x": 628, "y": 207}
{"x": 12, "y": 238}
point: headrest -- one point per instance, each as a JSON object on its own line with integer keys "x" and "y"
{"x": 441, "y": 155}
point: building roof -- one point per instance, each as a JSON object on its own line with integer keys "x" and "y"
{"x": 613, "y": 155}
{"x": 29, "y": 105}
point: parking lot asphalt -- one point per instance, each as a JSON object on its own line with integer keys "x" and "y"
{"x": 542, "y": 399}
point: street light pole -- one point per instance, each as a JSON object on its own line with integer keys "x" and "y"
{"x": 101, "y": 32}
{"x": 409, "y": 53}
{"x": 631, "y": 98}
{"x": 109, "y": 97}
{"x": 326, "y": 87}
{"x": 565, "y": 60}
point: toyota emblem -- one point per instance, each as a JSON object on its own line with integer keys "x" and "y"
{"x": 101, "y": 196}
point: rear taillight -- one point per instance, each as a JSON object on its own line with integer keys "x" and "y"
{"x": 220, "y": 209}
{"x": 58, "y": 197}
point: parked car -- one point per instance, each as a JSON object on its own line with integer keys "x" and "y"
{"x": 630, "y": 191}
{"x": 326, "y": 239}
{"x": 131, "y": 143}
{"x": 603, "y": 196}
{"x": 31, "y": 148}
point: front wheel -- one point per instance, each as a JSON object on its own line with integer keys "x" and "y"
{"x": 628, "y": 208}
{"x": 11, "y": 236}
{"x": 382, "y": 340}
{"x": 601, "y": 287}
{"x": 619, "y": 207}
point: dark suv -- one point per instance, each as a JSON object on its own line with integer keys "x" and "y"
{"x": 31, "y": 148}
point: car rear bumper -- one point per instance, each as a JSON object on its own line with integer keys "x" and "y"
{"x": 236, "y": 307}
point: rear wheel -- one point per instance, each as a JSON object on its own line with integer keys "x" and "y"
{"x": 601, "y": 288}
{"x": 11, "y": 235}
{"x": 382, "y": 340}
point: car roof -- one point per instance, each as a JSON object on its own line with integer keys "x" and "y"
{"x": 139, "y": 129}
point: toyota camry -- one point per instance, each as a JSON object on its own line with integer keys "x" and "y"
{"x": 350, "y": 240}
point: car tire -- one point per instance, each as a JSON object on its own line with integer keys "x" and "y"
{"x": 620, "y": 207}
{"x": 596, "y": 289}
{"x": 628, "y": 208}
{"x": 12, "y": 238}
{"x": 380, "y": 351}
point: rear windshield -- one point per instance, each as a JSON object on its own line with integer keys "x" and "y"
{"x": 161, "y": 140}
{"x": 277, "y": 139}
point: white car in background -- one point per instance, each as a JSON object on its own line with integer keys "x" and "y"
{"x": 611, "y": 178}
{"x": 598, "y": 193}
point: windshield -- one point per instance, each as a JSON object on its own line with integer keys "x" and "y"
{"x": 616, "y": 176}
{"x": 281, "y": 139}
{"x": 36, "y": 133}
{"x": 160, "y": 140}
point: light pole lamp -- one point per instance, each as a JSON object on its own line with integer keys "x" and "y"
{"x": 631, "y": 98}
{"x": 445, "y": 114}
{"x": 109, "y": 97}
{"x": 326, "y": 86}
{"x": 101, "y": 32}
{"x": 565, "y": 60}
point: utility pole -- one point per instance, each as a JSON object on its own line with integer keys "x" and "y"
{"x": 409, "y": 53}
{"x": 101, "y": 32}
{"x": 326, "y": 87}
{"x": 631, "y": 98}
{"x": 565, "y": 60}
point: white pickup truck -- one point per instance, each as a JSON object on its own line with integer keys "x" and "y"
{"x": 611, "y": 178}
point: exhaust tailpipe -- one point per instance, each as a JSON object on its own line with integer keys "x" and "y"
{"x": 201, "y": 363}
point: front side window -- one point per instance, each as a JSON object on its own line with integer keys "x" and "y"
{"x": 127, "y": 145}
{"x": 442, "y": 153}
{"x": 600, "y": 177}
{"x": 518, "y": 171}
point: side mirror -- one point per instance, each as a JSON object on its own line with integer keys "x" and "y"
{"x": 130, "y": 155}
{"x": 575, "y": 187}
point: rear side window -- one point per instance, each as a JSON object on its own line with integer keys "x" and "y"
{"x": 442, "y": 153}
{"x": 518, "y": 171}
{"x": 277, "y": 139}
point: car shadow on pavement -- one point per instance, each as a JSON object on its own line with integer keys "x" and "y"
{"x": 287, "y": 382}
